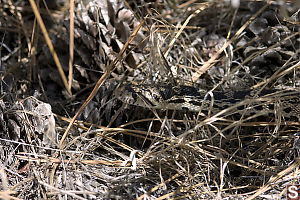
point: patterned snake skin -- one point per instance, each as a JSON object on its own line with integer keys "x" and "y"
{"x": 284, "y": 103}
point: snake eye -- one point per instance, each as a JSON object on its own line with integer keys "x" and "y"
{"x": 155, "y": 97}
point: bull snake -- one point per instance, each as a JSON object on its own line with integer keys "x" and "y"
{"x": 284, "y": 103}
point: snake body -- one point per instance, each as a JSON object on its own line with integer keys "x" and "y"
{"x": 168, "y": 97}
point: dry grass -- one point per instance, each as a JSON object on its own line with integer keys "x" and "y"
{"x": 139, "y": 153}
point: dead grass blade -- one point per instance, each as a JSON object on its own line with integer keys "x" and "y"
{"x": 71, "y": 46}
{"x": 100, "y": 82}
{"x": 279, "y": 177}
{"x": 209, "y": 63}
{"x": 49, "y": 43}
{"x": 183, "y": 27}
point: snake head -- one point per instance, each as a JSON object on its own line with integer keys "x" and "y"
{"x": 134, "y": 95}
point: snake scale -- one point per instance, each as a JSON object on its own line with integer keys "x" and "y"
{"x": 284, "y": 103}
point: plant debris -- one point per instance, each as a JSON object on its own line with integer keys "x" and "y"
{"x": 119, "y": 151}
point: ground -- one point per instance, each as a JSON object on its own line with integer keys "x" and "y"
{"x": 80, "y": 141}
